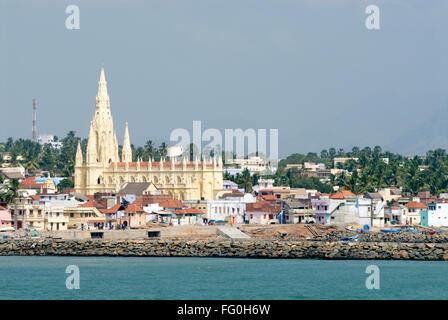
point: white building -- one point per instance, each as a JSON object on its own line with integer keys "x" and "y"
{"x": 254, "y": 164}
{"x": 264, "y": 184}
{"x": 438, "y": 214}
{"x": 44, "y": 139}
{"x": 356, "y": 212}
{"x": 231, "y": 208}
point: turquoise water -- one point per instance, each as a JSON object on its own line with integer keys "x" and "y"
{"x": 218, "y": 278}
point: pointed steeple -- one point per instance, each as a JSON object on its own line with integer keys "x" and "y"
{"x": 102, "y": 85}
{"x": 126, "y": 154}
{"x": 92, "y": 153}
{"x": 79, "y": 159}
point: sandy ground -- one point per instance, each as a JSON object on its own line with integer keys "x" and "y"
{"x": 278, "y": 231}
{"x": 284, "y": 231}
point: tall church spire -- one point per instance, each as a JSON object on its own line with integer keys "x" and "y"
{"x": 102, "y": 86}
{"x": 126, "y": 153}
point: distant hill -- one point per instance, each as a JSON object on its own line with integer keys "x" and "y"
{"x": 430, "y": 135}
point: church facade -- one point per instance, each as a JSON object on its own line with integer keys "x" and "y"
{"x": 102, "y": 170}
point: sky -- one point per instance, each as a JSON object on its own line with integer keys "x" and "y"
{"x": 309, "y": 68}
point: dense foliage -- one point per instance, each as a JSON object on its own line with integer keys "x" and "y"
{"x": 61, "y": 162}
{"x": 369, "y": 173}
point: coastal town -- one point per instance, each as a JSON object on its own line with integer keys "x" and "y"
{"x": 106, "y": 186}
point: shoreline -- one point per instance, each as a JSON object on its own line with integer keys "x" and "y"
{"x": 274, "y": 249}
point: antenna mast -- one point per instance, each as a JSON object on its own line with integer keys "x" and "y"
{"x": 34, "y": 134}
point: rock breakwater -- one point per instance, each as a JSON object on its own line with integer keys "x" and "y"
{"x": 227, "y": 248}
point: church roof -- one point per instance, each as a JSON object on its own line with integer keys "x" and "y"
{"x": 135, "y": 188}
{"x": 157, "y": 163}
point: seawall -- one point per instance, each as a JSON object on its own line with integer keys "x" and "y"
{"x": 227, "y": 248}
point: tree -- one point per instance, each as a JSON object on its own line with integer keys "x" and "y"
{"x": 162, "y": 150}
{"x": 246, "y": 180}
{"x": 12, "y": 191}
{"x": 149, "y": 149}
{"x": 65, "y": 183}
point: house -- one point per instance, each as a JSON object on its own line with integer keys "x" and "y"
{"x": 229, "y": 185}
{"x": 320, "y": 207}
{"x": 134, "y": 216}
{"x": 390, "y": 194}
{"x": 13, "y": 173}
{"x": 5, "y": 218}
{"x": 412, "y": 212}
{"x": 343, "y": 194}
{"x": 263, "y": 184}
{"x": 359, "y": 211}
{"x": 229, "y": 209}
{"x": 41, "y": 184}
{"x": 86, "y": 216}
{"x": 298, "y": 211}
{"x": 189, "y": 216}
{"x": 28, "y": 213}
{"x": 262, "y": 212}
{"x": 426, "y": 197}
{"x": 254, "y": 164}
{"x": 438, "y": 214}
{"x": 55, "y": 218}
{"x": 393, "y": 213}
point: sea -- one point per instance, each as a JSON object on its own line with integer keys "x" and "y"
{"x": 92, "y": 278}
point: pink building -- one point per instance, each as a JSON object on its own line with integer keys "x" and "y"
{"x": 5, "y": 218}
{"x": 262, "y": 212}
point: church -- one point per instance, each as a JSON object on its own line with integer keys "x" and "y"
{"x": 102, "y": 170}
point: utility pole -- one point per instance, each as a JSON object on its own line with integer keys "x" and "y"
{"x": 34, "y": 131}
{"x": 371, "y": 212}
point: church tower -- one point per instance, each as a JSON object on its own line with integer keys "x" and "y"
{"x": 102, "y": 146}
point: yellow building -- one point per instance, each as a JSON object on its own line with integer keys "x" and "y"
{"x": 104, "y": 171}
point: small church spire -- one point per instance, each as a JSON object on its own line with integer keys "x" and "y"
{"x": 92, "y": 153}
{"x": 126, "y": 155}
{"x": 79, "y": 159}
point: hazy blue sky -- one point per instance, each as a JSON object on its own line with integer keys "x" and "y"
{"x": 309, "y": 68}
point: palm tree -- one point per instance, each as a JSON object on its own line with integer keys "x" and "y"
{"x": 162, "y": 149}
{"x": 149, "y": 149}
{"x": 246, "y": 180}
{"x": 12, "y": 192}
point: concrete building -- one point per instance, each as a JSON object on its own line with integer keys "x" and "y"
{"x": 412, "y": 212}
{"x": 28, "y": 213}
{"x": 262, "y": 212}
{"x": 320, "y": 208}
{"x": 229, "y": 185}
{"x": 357, "y": 212}
{"x": 5, "y": 218}
{"x": 55, "y": 218}
{"x": 254, "y": 164}
{"x": 298, "y": 211}
{"x": 438, "y": 214}
{"x": 44, "y": 139}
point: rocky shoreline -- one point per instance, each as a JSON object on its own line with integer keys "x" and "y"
{"x": 292, "y": 249}
{"x": 403, "y": 237}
